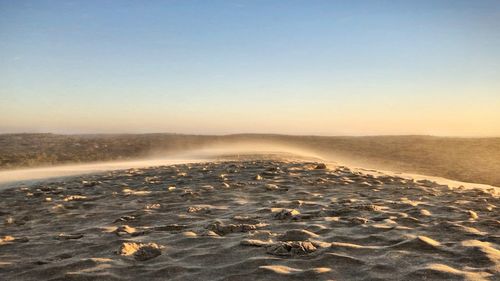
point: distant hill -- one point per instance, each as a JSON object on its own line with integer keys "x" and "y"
{"x": 465, "y": 159}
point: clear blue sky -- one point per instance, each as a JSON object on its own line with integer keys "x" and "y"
{"x": 300, "y": 67}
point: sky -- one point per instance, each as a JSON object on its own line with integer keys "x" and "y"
{"x": 220, "y": 67}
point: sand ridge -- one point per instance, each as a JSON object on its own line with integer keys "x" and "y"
{"x": 248, "y": 219}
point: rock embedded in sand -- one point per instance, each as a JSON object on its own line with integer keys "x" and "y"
{"x": 368, "y": 207}
{"x": 75, "y": 198}
{"x": 139, "y": 251}
{"x": 124, "y": 218}
{"x": 89, "y": 183}
{"x": 155, "y": 206}
{"x": 222, "y": 229}
{"x": 271, "y": 187}
{"x": 320, "y": 166}
{"x": 198, "y": 209}
{"x": 357, "y": 220}
{"x": 291, "y": 248}
{"x": 347, "y": 208}
{"x": 152, "y": 180}
{"x": 273, "y": 169}
{"x": 287, "y": 214}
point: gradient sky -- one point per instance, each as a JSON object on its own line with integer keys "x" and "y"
{"x": 216, "y": 67}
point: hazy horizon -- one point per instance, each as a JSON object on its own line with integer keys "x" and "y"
{"x": 243, "y": 133}
{"x": 327, "y": 68}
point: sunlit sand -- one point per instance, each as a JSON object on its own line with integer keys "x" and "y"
{"x": 272, "y": 216}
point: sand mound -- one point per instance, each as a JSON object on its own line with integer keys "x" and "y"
{"x": 140, "y": 252}
{"x": 297, "y": 235}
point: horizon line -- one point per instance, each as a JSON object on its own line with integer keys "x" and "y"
{"x": 248, "y": 134}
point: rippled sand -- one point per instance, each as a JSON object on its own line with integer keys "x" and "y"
{"x": 252, "y": 219}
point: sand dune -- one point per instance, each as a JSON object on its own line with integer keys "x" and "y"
{"x": 254, "y": 218}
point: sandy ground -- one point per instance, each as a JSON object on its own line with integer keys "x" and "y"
{"x": 251, "y": 219}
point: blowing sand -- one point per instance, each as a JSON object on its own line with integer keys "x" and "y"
{"x": 258, "y": 218}
{"x": 8, "y": 177}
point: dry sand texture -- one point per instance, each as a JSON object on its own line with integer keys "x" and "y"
{"x": 252, "y": 219}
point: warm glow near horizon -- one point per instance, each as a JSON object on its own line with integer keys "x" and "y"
{"x": 220, "y": 67}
